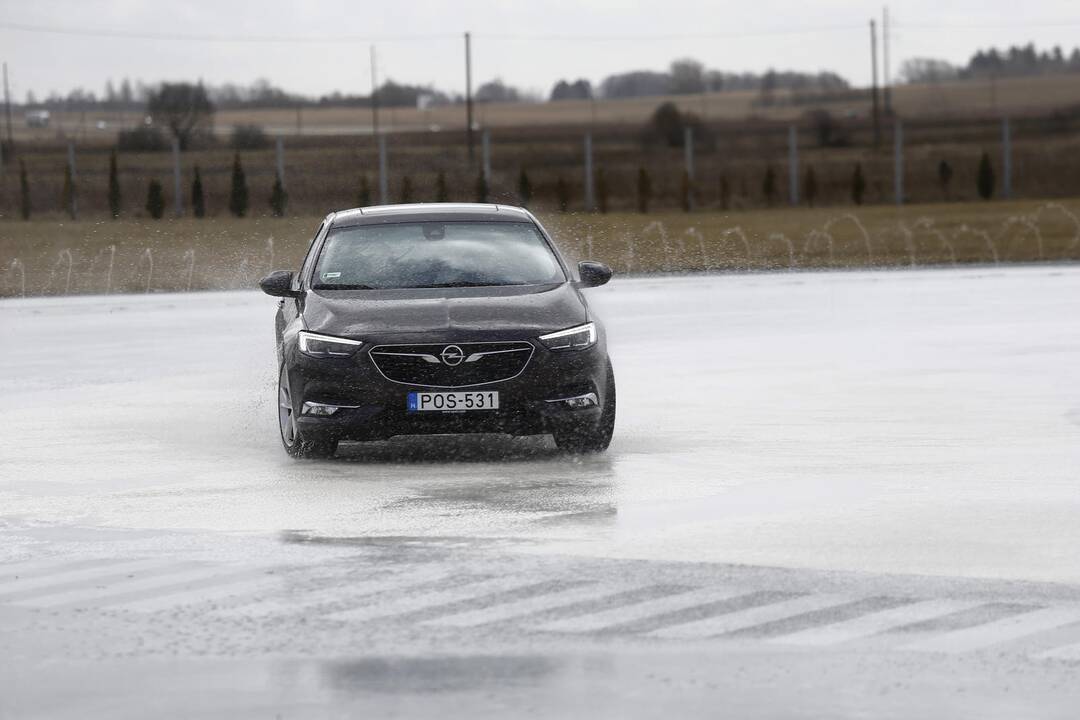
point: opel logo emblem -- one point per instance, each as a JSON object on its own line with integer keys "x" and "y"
{"x": 452, "y": 355}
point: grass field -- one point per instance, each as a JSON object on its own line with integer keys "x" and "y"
{"x": 47, "y": 257}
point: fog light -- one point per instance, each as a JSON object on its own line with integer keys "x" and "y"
{"x": 320, "y": 409}
{"x": 578, "y": 401}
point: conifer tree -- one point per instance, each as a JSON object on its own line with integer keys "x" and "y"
{"x": 155, "y": 200}
{"x": 562, "y": 194}
{"x": 984, "y": 182}
{"x": 279, "y": 199}
{"x": 114, "y": 187}
{"x": 858, "y": 185}
{"x": 441, "y": 193}
{"x": 644, "y": 190}
{"x": 24, "y": 192}
{"x": 238, "y": 194}
{"x": 198, "y": 199}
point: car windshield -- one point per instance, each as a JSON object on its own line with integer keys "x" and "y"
{"x": 435, "y": 254}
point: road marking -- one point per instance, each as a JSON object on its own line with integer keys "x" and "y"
{"x": 1065, "y": 652}
{"x": 613, "y": 617}
{"x": 873, "y": 623}
{"x": 996, "y": 632}
{"x": 392, "y": 606}
{"x": 91, "y": 574}
{"x": 229, "y": 586}
{"x": 295, "y": 601}
{"x": 123, "y": 586}
{"x": 750, "y": 617}
{"x": 528, "y": 606}
{"x": 15, "y": 572}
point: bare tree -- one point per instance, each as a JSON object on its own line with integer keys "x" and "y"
{"x": 184, "y": 108}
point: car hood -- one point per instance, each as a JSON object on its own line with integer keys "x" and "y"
{"x": 534, "y": 309}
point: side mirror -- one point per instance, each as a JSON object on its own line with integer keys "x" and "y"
{"x": 279, "y": 284}
{"x": 593, "y": 274}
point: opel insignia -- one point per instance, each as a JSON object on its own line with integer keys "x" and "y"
{"x": 439, "y": 318}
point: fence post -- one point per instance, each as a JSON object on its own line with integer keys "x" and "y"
{"x": 178, "y": 192}
{"x": 281, "y": 160}
{"x": 485, "y": 152}
{"x": 688, "y": 150}
{"x": 590, "y": 201}
{"x": 74, "y": 182}
{"x": 898, "y": 161}
{"x": 793, "y": 165}
{"x": 384, "y": 186}
{"x": 1006, "y": 159}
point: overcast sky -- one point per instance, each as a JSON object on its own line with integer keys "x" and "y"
{"x": 528, "y": 43}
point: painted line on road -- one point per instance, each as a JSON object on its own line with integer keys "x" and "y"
{"x": 524, "y": 607}
{"x": 296, "y": 601}
{"x": 473, "y": 593}
{"x": 615, "y": 617}
{"x": 997, "y": 632}
{"x": 874, "y": 623}
{"x": 823, "y": 616}
{"x": 224, "y": 587}
{"x": 751, "y": 616}
{"x": 1065, "y": 652}
{"x": 15, "y": 572}
{"x": 92, "y": 574}
{"x": 179, "y": 576}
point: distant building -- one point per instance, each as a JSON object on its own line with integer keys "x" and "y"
{"x": 37, "y": 118}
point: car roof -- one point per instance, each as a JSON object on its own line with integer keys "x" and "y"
{"x": 429, "y": 212}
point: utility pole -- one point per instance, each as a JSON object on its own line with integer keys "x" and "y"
{"x": 886, "y": 79}
{"x": 793, "y": 165}
{"x": 468, "y": 96}
{"x": 1006, "y": 159}
{"x": 7, "y": 108}
{"x": 374, "y": 97}
{"x": 874, "y": 85}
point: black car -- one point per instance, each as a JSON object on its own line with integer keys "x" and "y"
{"x": 439, "y": 318}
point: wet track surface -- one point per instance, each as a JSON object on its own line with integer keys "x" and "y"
{"x": 847, "y": 494}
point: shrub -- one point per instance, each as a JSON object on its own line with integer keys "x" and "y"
{"x": 198, "y": 199}
{"x": 141, "y": 139}
{"x": 441, "y": 193}
{"x": 810, "y": 186}
{"x": 562, "y": 194}
{"x": 944, "y": 173}
{"x": 668, "y": 125}
{"x": 725, "y": 193}
{"x": 481, "y": 188}
{"x": 524, "y": 188}
{"x": 278, "y": 197}
{"x": 24, "y": 192}
{"x": 768, "y": 185}
{"x": 858, "y": 185}
{"x": 238, "y": 194}
{"x": 984, "y": 182}
{"x": 114, "y": 187}
{"x": 249, "y": 137}
{"x": 155, "y": 200}
{"x": 363, "y": 195}
{"x": 644, "y": 190}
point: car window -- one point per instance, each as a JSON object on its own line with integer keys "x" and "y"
{"x": 450, "y": 254}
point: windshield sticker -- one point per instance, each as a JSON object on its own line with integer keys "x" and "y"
{"x": 330, "y": 275}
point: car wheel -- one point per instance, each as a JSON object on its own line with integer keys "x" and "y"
{"x": 591, "y": 438}
{"x": 296, "y": 445}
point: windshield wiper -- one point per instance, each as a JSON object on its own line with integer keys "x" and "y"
{"x": 327, "y": 286}
{"x": 466, "y": 283}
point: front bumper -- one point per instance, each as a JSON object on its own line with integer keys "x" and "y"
{"x": 373, "y": 407}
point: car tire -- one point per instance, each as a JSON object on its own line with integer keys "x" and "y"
{"x": 591, "y": 438}
{"x": 296, "y": 444}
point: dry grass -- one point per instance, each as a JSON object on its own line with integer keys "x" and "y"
{"x": 216, "y": 254}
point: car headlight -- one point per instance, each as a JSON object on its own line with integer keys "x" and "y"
{"x": 324, "y": 346}
{"x": 575, "y": 338}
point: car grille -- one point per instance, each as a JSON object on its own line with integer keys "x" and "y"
{"x": 434, "y": 365}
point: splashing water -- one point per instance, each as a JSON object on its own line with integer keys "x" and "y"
{"x": 790, "y": 247}
{"x": 108, "y": 276}
{"x": 696, "y": 234}
{"x": 629, "y": 253}
{"x": 966, "y": 229}
{"x": 589, "y": 247}
{"x": 926, "y": 225}
{"x": 189, "y": 255}
{"x": 269, "y": 251}
{"x": 1058, "y": 207}
{"x": 858, "y": 226}
{"x": 738, "y": 232}
{"x": 64, "y": 256}
{"x": 825, "y": 235}
{"x": 1025, "y": 222}
{"x": 148, "y": 256}
{"x": 658, "y": 227}
{"x": 17, "y": 264}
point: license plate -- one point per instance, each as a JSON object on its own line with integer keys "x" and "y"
{"x": 452, "y": 401}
